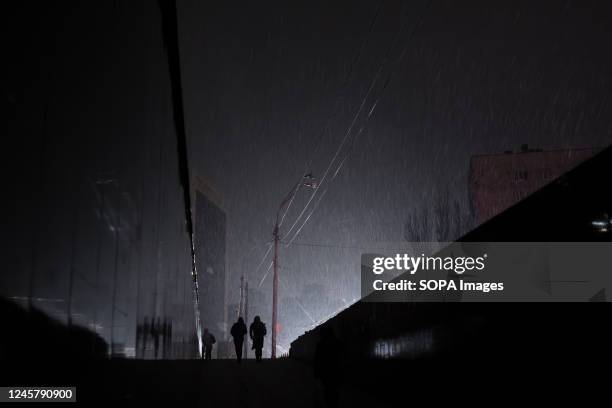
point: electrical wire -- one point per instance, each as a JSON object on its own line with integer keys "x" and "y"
{"x": 342, "y": 89}
{"x": 371, "y": 111}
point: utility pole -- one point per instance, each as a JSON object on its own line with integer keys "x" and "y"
{"x": 275, "y": 291}
{"x": 243, "y": 308}
{"x": 241, "y": 303}
{"x": 308, "y": 181}
{"x": 246, "y": 314}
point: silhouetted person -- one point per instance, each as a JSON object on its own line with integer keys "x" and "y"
{"x": 328, "y": 364}
{"x": 207, "y": 344}
{"x": 238, "y": 331}
{"x": 257, "y": 331}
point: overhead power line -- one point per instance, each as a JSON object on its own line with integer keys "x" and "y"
{"x": 371, "y": 111}
{"x": 342, "y": 89}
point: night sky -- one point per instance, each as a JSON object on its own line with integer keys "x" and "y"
{"x": 264, "y": 84}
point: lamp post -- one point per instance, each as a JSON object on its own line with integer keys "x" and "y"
{"x": 307, "y": 181}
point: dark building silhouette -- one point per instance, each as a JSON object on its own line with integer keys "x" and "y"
{"x": 540, "y": 340}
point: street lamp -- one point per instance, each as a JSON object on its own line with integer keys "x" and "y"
{"x": 307, "y": 181}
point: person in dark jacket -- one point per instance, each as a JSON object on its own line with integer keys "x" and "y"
{"x": 238, "y": 331}
{"x": 207, "y": 344}
{"x": 257, "y": 331}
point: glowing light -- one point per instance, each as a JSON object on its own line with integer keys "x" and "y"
{"x": 411, "y": 345}
{"x": 602, "y": 225}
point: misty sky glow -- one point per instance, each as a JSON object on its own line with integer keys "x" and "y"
{"x": 263, "y": 84}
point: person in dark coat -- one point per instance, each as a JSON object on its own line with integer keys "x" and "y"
{"x": 257, "y": 331}
{"x": 207, "y": 344}
{"x": 238, "y": 331}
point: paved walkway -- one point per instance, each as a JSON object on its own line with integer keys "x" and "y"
{"x": 198, "y": 383}
{"x": 279, "y": 383}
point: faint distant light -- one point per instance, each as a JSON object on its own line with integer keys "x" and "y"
{"x": 411, "y": 346}
{"x": 602, "y": 225}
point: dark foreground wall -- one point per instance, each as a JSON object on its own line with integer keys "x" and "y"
{"x": 37, "y": 350}
{"x": 423, "y": 345}
{"x": 33, "y": 336}
{"x": 94, "y": 234}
